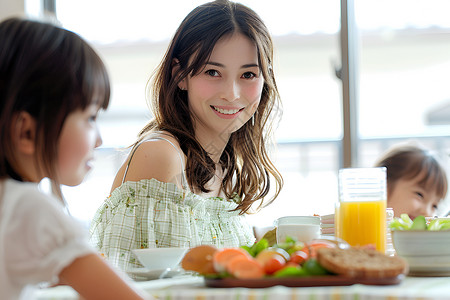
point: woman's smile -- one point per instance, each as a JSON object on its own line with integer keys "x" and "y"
{"x": 227, "y": 112}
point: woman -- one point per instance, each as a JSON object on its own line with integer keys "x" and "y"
{"x": 202, "y": 162}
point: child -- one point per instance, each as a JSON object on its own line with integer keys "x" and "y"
{"x": 200, "y": 165}
{"x": 416, "y": 181}
{"x": 52, "y": 85}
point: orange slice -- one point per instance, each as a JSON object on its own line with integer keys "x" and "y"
{"x": 245, "y": 268}
{"x": 223, "y": 256}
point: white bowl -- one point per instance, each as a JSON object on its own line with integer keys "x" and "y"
{"x": 428, "y": 265}
{"x": 160, "y": 258}
{"x": 427, "y": 252}
{"x": 421, "y": 242}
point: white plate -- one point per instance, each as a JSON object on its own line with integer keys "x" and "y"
{"x": 146, "y": 274}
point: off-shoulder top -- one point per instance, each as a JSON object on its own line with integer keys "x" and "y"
{"x": 150, "y": 213}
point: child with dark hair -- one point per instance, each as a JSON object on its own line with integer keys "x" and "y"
{"x": 416, "y": 180}
{"x": 52, "y": 85}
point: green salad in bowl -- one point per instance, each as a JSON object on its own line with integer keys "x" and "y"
{"x": 424, "y": 243}
{"x": 420, "y": 223}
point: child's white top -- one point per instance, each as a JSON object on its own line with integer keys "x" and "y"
{"x": 37, "y": 239}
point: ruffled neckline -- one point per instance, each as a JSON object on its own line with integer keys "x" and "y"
{"x": 172, "y": 188}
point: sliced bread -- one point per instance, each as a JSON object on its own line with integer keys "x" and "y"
{"x": 361, "y": 262}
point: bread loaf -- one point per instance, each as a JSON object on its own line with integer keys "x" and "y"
{"x": 361, "y": 262}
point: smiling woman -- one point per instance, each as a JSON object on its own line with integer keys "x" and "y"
{"x": 200, "y": 164}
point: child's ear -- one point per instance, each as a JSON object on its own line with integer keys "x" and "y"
{"x": 24, "y": 133}
{"x": 175, "y": 70}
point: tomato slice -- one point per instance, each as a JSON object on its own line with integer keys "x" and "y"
{"x": 274, "y": 264}
{"x": 299, "y": 257}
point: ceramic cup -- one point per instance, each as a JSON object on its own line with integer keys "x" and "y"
{"x": 303, "y": 228}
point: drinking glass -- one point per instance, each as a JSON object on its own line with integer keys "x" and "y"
{"x": 361, "y": 212}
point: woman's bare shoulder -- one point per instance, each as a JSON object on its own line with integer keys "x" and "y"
{"x": 162, "y": 136}
{"x": 158, "y": 159}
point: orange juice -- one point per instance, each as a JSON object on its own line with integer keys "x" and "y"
{"x": 336, "y": 220}
{"x": 362, "y": 222}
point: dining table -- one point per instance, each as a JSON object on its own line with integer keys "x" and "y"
{"x": 189, "y": 286}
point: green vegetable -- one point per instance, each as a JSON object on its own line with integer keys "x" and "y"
{"x": 257, "y": 247}
{"x": 402, "y": 223}
{"x": 419, "y": 223}
{"x": 439, "y": 225}
{"x": 248, "y": 249}
{"x": 290, "y": 245}
{"x": 260, "y": 246}
{"x": 290, "y": 271}
{"x": 296, "y": 247}
{"x": 406, "y": 219}
{"x": 312, "y": 267}
{"x": 445, "y": 224}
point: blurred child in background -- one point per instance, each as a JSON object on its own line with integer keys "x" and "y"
{"x": 416, "y": 180}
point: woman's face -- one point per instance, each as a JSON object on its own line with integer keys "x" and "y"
{"x": 79, "y": 137}
{"x": 408, "y": 197}
{"x": 226, "y": 93}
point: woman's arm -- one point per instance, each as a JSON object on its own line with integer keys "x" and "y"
{"x": 93, "y": 278}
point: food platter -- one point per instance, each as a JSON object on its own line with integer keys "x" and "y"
{"x": 309, "y": 281}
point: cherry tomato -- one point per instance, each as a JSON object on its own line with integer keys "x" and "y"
{"x": 299, "y": 257}
{"x": 274, "y": 264}
{"x": 314, "y": 245}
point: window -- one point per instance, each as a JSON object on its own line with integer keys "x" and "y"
{"x": 132, "y": 38}
{"x": 404, "y": 71}
{"x": 403, "y": 65}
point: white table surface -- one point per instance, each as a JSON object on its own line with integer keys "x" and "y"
{"x": 191, "y": 287}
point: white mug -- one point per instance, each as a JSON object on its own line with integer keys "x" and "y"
{"x": 302, "y": 228}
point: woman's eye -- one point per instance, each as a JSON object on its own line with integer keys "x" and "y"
{"x": 249, "y": 75}
{"x": 212, "y": 73}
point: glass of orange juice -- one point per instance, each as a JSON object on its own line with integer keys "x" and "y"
{"x": 361, "y": 213}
